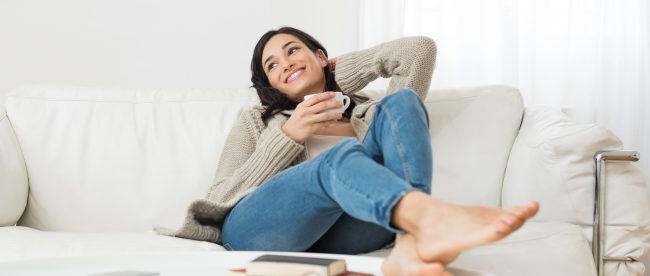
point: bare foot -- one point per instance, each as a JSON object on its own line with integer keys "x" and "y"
{"x": 403, "y": 260}
{"x": 443, "y": 230}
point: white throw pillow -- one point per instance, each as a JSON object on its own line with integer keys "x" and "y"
{"x": 552, "y": 161}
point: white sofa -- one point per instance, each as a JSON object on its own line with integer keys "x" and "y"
{"x": 90, "y": 171}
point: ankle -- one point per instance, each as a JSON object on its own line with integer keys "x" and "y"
{"x": 407, "y": 213}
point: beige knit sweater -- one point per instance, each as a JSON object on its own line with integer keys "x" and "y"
{"x": 254, "y": 152}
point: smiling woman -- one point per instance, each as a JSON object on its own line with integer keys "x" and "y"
{"x": 300, "y": 52}
{"x": 293, "y": 58}
{"x": 359, "y": 193}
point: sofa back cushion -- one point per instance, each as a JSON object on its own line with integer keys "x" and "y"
{"x": 131, "y": 159}
{"x": 472, "y": 131}
{"x": 119, "y": 159}
{"x": 13, "y": 174}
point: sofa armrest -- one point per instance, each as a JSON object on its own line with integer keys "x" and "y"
{"x": 552, "y": 161}
{"x": 13, "y": 174}
{"x": 600, "y": 203}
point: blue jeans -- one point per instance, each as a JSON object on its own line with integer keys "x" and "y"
{"x": 342, "y": 200}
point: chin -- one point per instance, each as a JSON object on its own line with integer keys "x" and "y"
{"x": 301, "y": 88}
{"x": 297, "y": 92}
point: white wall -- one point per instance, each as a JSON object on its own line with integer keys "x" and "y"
{"x": 148, "y": 43}
{"x": 157, "y": 43}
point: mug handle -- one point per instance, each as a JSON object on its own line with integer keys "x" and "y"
{"x": 346, "y": 102}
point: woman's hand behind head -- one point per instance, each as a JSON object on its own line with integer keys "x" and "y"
{"x": 332, "y": 63}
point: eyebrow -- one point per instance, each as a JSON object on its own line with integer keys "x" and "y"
{"x": 270, "y": 57}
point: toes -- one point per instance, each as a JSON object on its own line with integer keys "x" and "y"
{"x": 426, "y": 269}
{"x": 527, "y": 211}
{"x": 511, "y": 218}
{"x": 413, "y": 269}
{"x": 433, "y": 269}
{"x": 509, "y": 222}
{"x": 533, "y": 208}
{"x": 503, "y": 226}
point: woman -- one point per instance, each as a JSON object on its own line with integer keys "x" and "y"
{"x": 275, "y": 190}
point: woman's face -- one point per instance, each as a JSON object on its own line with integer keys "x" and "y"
{"x": 293, "y": 68}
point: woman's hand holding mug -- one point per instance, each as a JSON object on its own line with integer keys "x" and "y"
{"x": 314, "y": 113}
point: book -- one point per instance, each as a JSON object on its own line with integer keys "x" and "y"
{"x": 294, "y": 265}
{"x": 276, "y": 265}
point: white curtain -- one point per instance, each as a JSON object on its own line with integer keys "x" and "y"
{"x": 589, "y": 58}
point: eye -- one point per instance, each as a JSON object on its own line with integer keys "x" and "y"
{"x": 271, "y": 66}
{"x": 291, "y": 50}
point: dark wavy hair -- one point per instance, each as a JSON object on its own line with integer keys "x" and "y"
{"x": 272, "y": 99}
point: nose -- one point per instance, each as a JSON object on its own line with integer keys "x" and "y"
{"x": 287, "y": 64}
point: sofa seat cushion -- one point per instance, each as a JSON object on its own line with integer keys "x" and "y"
{"x": 536, "y": 249}
{"x": 21, "y": 243}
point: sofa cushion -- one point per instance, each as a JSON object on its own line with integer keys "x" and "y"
{"x": 538, "y": 249}
{"x": 535, "y": 249}
{"x": 472, "y": 131}
{"x": 552, "y": 162}
{"x": 13, "y": 174}
{"x": 132, "y": 159}
{"x": 23, "y": 243}
{"x": 119, "y": 159}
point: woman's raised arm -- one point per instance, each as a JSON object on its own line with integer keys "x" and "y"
{"x": 408, "y": 61}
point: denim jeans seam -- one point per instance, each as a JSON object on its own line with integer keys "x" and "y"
{"x": 381, "y": 223}
{"x": 326, "y": 162}
{"x": 399, "y": 145}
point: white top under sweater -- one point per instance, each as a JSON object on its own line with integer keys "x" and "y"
{"x": 316, "y": 144}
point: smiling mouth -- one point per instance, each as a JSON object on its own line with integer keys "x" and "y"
{"x": 295, "y": 75}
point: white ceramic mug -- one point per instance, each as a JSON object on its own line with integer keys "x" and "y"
{"x": 339, "y": 97}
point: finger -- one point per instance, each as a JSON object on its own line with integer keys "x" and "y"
{"x": 317, "y": 98}
{"x": 323, "y": 106}
{"x": 325, "y": 117}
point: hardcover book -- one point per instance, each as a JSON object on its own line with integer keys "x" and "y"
{"x": 276, "y": 265}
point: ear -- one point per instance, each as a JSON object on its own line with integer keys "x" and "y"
{"x": 322, "y": 58}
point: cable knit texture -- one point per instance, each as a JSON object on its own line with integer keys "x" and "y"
{"x": 254, "y": 152}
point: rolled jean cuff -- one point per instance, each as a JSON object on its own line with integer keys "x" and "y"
{"x": 389, "y": 211}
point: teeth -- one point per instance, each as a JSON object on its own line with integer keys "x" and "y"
{"x": 293, "y": 76}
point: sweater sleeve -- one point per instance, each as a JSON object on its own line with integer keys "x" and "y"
{"x": 409, "y": 62}
{"x": 250, "y": 157}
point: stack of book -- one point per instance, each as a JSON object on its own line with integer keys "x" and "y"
{"x": 272, "y": 265}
